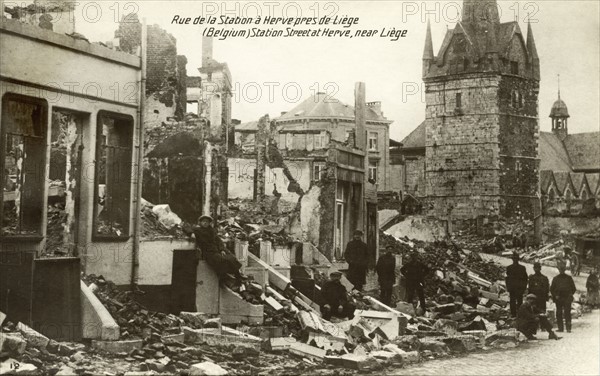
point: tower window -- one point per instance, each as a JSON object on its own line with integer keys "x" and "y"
{"x": 458, "y": 100}
{"x": 514, "y": 67}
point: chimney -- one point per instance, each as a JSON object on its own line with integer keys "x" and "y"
{"x": 207, "y": 50}
{"x": 360, "y": 115}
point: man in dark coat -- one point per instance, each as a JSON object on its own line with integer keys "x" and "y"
{"x": 516, "y": 283}
{"x": 386, "y": 274}
{"x": 539, "y": 286}
{"x": 414, "y": 272}
{"x": 223, "y": 262}
{"x": 562, "y": 290}
{"x": 528, "y": 319}
{"x": 357, "y": 257}
{"x": 334, "y": 299}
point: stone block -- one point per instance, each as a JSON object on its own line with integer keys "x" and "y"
{"x": 195, "y": 319}
{"x": 206, "y": 368}
{"x": 115, "y": 347}
{"x": 307, "y": 351}
{"x": 12, "y": 343}
{"x": 33, "y": 337}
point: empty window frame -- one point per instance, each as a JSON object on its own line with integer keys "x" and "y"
{"x": 318, "y": 170}
{"x": 22, "y": 165}
{"x": 373, "y": 167}
{"x": 373, "y": 141}
{"x": 113, "y": 181}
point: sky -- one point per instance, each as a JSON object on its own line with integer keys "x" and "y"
{"x": 271, "y": 75}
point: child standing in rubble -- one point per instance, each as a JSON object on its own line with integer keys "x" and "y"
{"x": 213, "y": 251}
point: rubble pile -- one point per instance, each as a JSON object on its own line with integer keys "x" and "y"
{"x": 133, "y": 319}
{"x": 152, "y": 227}
{"x": 251, "y": 221}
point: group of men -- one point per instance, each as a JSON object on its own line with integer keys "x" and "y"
{"x": 532, "y": 313}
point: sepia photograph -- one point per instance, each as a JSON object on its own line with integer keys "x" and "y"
{"x": 387, "y": 187}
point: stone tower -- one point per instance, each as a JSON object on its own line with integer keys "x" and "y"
{"x": 482, "y": 118}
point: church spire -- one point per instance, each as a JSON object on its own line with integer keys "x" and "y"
{"x": 534, "y": 59}
{"x": 475, "y": 11}
{"x": 558, "y": 79}
{"x": 428, "y": 51}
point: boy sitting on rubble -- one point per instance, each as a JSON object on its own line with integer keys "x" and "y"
{"x": 213, "y": 251}
{"x": 334, "y": 299}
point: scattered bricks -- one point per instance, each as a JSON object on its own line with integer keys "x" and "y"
{"x": 445, "y": 309}
{"x": 169, "y": 338}
{"x": 409, "y": 342}
{"x": 53, "y": 347}
{"x": 242, "y": 352}
{"x": 306, "y": 351}
{"x": 449, "y": 327}
{"x": 152, "y": 365}
{"x": 213, "y": 323}
{"x": 33, "y": 338}
{"x": 78, "y": 356}
{"x": 279, "y": 344}
{"x": 326, "y": 341}
{"x": 461, "y": 344}
{"x": 361, "y": 363}
{"x": 435, "y": 346}
{"x": 213, "y": 338}
{"x": 12, "y": 343}
{"x": 206, "y": 368}
{"x": 195, "y": 319}
{"x": 405, "y": 308}
{"x": 271, "y": 332}
{"x": 116, "y": 347}
{"x": 389, "y": 357}
{"x": 65, "y": 349}
{"x": 478, "y": 334}
{"x": 273, "y": 303}
{"x": 410, "y": 357}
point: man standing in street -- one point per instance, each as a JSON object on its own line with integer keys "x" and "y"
{"x": 528, "y": 319}
{"x": 386, "y": 273}
{"x": 593, "y": 287}
{"x": 414, "y": 271}
{"x": 539, "y": 286}
{"x": 516, "y": 283}
{"x": 357, "y": 257}
{"x": 562, "y": 290}
{"x": 334, "y": 299}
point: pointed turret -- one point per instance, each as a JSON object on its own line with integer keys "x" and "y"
{"x": 428, "y": 51}
{"x": 534, "y": 60}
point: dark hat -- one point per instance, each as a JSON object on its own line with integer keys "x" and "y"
{"x": 537, "y": 265}
{"x": 335, "y": 274}
{"x": 358, "y": 232}
{"x": 531, "y": 296}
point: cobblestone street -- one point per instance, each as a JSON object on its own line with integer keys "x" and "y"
{"x": 578, "y": 353}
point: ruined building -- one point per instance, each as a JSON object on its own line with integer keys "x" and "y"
{"x": 323, "y": 164}
{"x": 481, "y": 123}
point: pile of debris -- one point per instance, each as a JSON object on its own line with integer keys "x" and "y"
{"x": 159, "y": 221}
{"x": 134, "y": 320}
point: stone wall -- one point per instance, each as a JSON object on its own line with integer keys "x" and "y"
{"x": 462, "y": 151}
{"x": 519, "y": 132}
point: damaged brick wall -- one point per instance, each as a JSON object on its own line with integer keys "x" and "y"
{"x": 166, "y": 72}
{"x": 327, "y": 203}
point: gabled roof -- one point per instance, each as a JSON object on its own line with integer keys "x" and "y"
{"x": 593, "y": 181}
{"x": 584, "y": 150}
{"x": 553, "y": 155}
{"x": 324, "y": 106}
{"x": 546, "y": 180}
{"x": 578, "y": 180}
{"x": 251, "y": 126}
{"x": 563, "y": 180}
{"x": 416, "y": 138}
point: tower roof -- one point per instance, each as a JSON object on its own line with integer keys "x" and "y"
{"x": 428, "y": 50}
{"x": 559, "y": 109}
